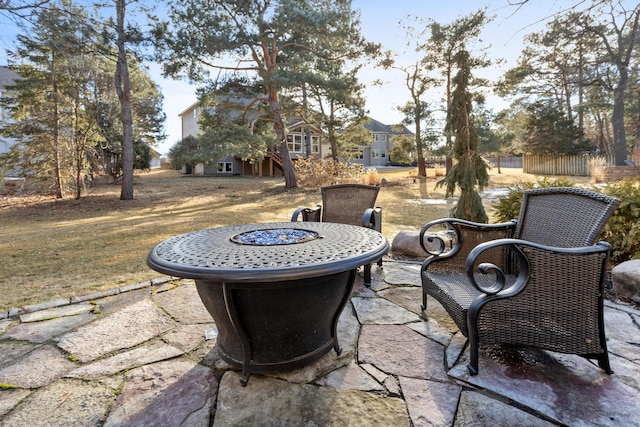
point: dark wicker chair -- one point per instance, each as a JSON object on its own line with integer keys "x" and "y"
{"x": 347, "y": 204}
{"x": 534, "y": 282}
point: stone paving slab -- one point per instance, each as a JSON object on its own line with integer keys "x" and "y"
{"x": 126, "y": 328}
{"x": 183, "y": 304}
{"x": 154, "y": 352}
{"x": 433, "y": 330}
{"x": 407, "y": 297}
{"x": 42, "y": 331}
{"x": 65, "y": 403}
{"x": 280, "y": 403}
{"x": 567, "y": 389}
{"x": 11, "y": 398}
{"x": 4, "y": 324}
{"x": 108, "y": 304}
{"x": 399, "y": 350}
{"x": 170, "y": 393}
{"x": 187, "y": 337}
{"x": 406, "y": 274}
{"x": 478, "y": 410}
{"x": 351, "y": 377}
{"x": 54, "y": 313}
{"x": 621, "y": 326}
{"x": 380, "y": 311}
{"x": 10, "y": 352}
{"x": 430, "y": 403}
{"x": 38, "y": 368}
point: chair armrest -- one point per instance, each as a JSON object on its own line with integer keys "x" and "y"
{"x": 528, "y": 256}
{"x": 372, "y": 218}
{"x": 448, "y": 241}
{"x": 308, "y": 214}
{"x": 454, "y": 232}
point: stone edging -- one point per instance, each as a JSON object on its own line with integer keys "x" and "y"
{"x": 83, "y": 298}
{"x": 161, "y": 280}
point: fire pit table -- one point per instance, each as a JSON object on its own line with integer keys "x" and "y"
{"x": 275, "y": 290}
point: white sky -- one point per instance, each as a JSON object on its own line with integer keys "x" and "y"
{"x": 379, "y": 23}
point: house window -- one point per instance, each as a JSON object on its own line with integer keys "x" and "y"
{"x": 377, "y": 153}
{"x": 315, "y": 144}
{"x": 225, "y": 167}
{"x": 380, "y": 137}
{"x": 195, "y": 113}
{"x": 295, "y": 143}
{"x": 359, "y": 153}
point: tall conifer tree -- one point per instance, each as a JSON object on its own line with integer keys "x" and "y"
{"x": 469, "y": 172}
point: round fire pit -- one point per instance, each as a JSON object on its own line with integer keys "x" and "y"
{"x": 275, "y": 291}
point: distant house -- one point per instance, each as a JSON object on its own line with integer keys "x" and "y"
{"x": 371, "y": 153}
{"x": 271, "y": 165}
{"x": 376, "y": 152}
{"x": 7, "y": 78}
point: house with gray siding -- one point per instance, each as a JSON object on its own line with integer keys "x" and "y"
{"x": 370, "y": 153}
{"x": 376, "y": 151}
{"x": 7, "y": 78}
{"x": 271, "y": 165}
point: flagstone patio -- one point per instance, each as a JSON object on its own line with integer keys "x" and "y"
{"x": 139, "y": 355}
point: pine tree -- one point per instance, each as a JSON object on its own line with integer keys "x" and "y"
{"x": 44, "y": 104}
{"x": 266, "y": 39}
{"x": 469, "y": 171}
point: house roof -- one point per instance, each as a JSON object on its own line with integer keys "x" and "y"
{"x": 378, "y": 127}
{"x": 7, "y": 76}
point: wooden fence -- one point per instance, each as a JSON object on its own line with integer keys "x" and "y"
{"x": 577, "y": 165}
{"x": 505, "y": 162}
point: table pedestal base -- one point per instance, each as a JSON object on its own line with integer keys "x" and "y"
{"x": 276, "y": 326}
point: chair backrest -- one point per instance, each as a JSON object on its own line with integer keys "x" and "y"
{"x": 346, "y": 203}
{"x": 564, "y": 216}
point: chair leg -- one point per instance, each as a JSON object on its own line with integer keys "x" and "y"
{"x": 424, "y": 301}
{"x": 603, "y": 362}
{"x": 472, "y": 329}
{"x": 473, "y": 359}
{"x": 380, "y": 262}
{"x": 367, "y": 275}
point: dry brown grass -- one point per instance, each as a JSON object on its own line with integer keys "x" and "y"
{"x": 60, "y": 248}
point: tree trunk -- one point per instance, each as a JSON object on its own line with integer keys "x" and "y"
{"x": 123, "y": 88}
{"x": 580, "y": 87}
{"x": 422, "y": 170}
{"x": 77, "y": 148}
{"x": 287, "y": 165}
{"x": 448, "y": 163}
{"x": 56, "y": 128}
{"x": 617, "y": 120}
{"x": 331, "y": 134}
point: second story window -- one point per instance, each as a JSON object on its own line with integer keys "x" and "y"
{"x": 378, "y": 154}
{"x": 379, "y": 137}
{"x": 295, "y": 143}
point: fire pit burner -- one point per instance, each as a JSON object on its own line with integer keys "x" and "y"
{"x": 274, "y": 236}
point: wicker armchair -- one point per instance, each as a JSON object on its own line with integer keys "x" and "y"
{"x": 534, "y": 282}
{"x": 347, "y": 204}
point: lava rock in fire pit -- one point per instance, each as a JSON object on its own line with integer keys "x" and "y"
{"x": 274, "y": 236}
